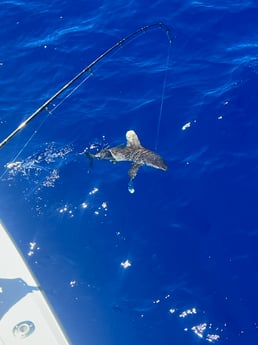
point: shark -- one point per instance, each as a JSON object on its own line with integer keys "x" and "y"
{"x": 133, "y": 152}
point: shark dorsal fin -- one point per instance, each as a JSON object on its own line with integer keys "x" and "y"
{"x": 132, "y": 139}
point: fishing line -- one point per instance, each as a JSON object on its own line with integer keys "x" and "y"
{"x": 50, "y": 112}
{"x": 45, "y": 105}
{"x": 69, "y": 94}
{"x": 25, "y": 145}
{"x": 163, "y": 95}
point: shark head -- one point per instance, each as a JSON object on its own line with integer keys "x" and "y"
{"x": 104, "y": 154}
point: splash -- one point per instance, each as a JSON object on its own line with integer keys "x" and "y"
{"x": 41, "y": 167}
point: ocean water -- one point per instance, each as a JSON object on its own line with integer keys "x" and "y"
{"x": 175, "y": 262}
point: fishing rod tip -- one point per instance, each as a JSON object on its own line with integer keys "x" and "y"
{"x": 168, "y": 31}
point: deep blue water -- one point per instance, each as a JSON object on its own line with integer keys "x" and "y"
{"x": 190, "y": 233}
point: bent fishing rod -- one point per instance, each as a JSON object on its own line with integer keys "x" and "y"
{"x": 82, "y": 72}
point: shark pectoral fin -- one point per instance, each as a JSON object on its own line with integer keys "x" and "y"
{"x": 134, "y": 170}
{"x": 132, "y": 173}
{"x": 131, "y": 187}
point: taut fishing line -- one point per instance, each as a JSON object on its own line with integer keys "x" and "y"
{"x": 88, "y": 68}
{"x": 68, "y": 95}
{"x": 162, "y": 96}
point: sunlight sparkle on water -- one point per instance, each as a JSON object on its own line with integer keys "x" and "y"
{"x": 73, "y": 283}
{"x": 188, "y": 312}
{"x": 212, "y": 337}
{"x": 40, "y": 166}
{"x": 126, "y": 264}
{"x": 84, "y": 205}
{"x": 199, "y": 329}
{"x": 187, "y": 125}
{"x": 66, "y": 210}
{"x": 51, "y": 178}
{"x": 172, "y": 310}
{"x": 93, "y": 191}
{"x": 13, "y": 165}
{"x": 32, "y": 247}
{"x": 104, "y": 205}
{"x": 101, "y": 209}
{"x": 202, "y": 330}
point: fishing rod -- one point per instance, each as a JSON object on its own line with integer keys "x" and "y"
{"x": 83, "y": 71}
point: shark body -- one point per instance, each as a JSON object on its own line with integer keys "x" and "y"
{"x": 133, "y": 152}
